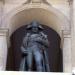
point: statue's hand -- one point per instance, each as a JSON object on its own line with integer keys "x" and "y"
{"x": 24, "y": 51}
{"x": 43, "y": 35}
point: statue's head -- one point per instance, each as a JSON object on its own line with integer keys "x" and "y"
{"x": 34, "y": 26}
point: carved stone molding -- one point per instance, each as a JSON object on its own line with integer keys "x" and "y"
{"x": 37, "y": 1}
{"x": 66, "y": 32}
{"x": 70, "y": 2}
{"x": 3, "y": 32}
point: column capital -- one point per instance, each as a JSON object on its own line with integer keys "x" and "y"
{"x": 3, "y": 32}
{"x": 66, "y": 33}
{"x": 70, "y": 2}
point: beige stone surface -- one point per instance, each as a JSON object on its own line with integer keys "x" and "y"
{"x": 67, "y": 55}
{"x": 3, "y": 49}
{"x": 1, "y": 11}
{"x": 61, "y": 5}
{"x": 31, "y": 73}
{"x": 73, "y": 36}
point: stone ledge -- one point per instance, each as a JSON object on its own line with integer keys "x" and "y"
{"x": 31, "y": 73}
{"x": 73, "y": 70}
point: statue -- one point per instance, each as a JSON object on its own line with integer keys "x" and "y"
{"x": 34, "y": 46}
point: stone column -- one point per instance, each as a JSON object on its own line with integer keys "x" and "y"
{"x": 67, "y": 63}
{"x": 67, "y": 42}
{"x": 3, "y": 48}
{"x": 73, "y": 36}
{"x": 1, "y": 12}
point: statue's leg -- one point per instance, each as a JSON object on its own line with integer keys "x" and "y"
{"x": 46, "y": 61}
{"x": 22, "y": 65}
{"x": 38, "y": 60}
{"x": 29, "y": 61}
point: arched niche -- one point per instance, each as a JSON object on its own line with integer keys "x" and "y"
{"x": 54, "y": 51}
{"x": 44, "y": 14}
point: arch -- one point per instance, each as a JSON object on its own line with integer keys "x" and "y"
{"x": 46, "y": 14}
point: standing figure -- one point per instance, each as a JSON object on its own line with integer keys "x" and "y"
{"x": 34, "y": 46}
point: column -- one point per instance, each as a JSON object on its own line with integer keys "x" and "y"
{"x": 3, "y": 48}
{"x": 73, "y": 36}
{"x": 1, "y": 12}
{"x": 67, "y": 60}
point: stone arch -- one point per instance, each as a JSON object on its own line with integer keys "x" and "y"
{"x": 45, "y": 15}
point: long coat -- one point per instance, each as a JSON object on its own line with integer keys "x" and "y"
{"x": 35, "y": 43}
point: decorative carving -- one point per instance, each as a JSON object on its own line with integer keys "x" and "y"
{"x": 37, "y": 1}
{"x": 70, "y": 2}
{"x": 27, "y": 2}
{"x": 3, "y": 32}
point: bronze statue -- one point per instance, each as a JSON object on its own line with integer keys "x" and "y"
{"x": 34, "y": 46}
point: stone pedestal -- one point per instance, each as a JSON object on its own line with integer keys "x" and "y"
{"x": 3, "y": 49}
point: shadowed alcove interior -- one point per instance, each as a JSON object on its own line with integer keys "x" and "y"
{"x": 54, "y": 51}
{"x": 52, "y": 25}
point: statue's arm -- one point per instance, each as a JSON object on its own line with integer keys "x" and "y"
{"x": 45, "y": 42}
{"x": 43, "y": 39}
{"x": 25, "y": 40}
{"x": 24, "y": 44}
{"x": 23, "y": 50}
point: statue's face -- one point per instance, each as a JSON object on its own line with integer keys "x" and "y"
{"x": 35, "y": 29}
